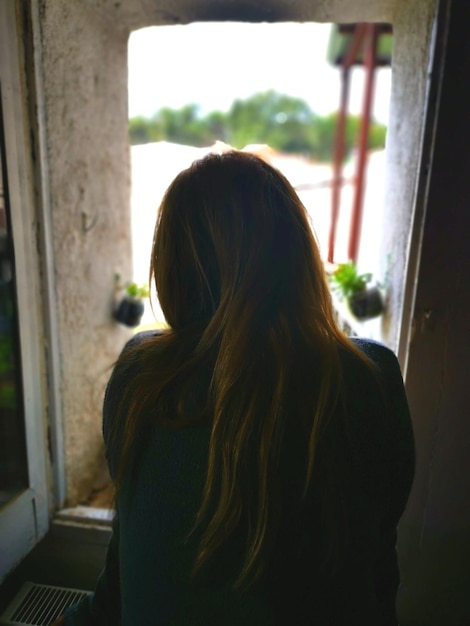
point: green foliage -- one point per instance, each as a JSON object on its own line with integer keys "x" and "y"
{"x": 285, "y": 123}
{"x": 377, "y": 134}
{"x": 7, "y": 368}
{"x": 135, "y": 291}
{"x": 143, "y": 130}
{"x": 6, "y": 353}
{"x": 347, "y": 281}
{"x": 7, "y": 395}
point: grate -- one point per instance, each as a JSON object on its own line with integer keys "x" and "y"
{"x": 39, "y": 605}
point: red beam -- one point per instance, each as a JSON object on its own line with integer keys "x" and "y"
{"x": 354, "y": 45}
{"x": 356, "y": 217}
{"x": 338, "y": 152}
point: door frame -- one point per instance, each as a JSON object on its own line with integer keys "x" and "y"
{"x": 24, "y": 520}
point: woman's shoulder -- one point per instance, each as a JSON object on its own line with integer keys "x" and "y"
{"x": 127, "y": 363}
{"x": 377, "y": 352}
{"x": 380, "y": 362}
{"x": 376, "y": 397}
{"x": 125, "y": 369}
{"x": 140, "y": 339}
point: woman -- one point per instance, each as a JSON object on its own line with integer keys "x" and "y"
{"x": 261, "y": 459}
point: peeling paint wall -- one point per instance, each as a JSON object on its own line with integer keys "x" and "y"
{"x": 412, "y": 25}
{"x": 85, "y": 90}
{"x": 84, "y": 64}
{"x": 135, "y": 14}
{"x": 84, "y": 47}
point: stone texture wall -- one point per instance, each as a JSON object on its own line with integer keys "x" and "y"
{"x": 412, "y": 24}
{"x": 85, "y": 84}
{"x": 140, "y": 13}
{"x": 84, "y": 48}
{"x": 84, "y": 64}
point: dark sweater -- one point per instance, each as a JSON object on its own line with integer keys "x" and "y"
{"x": 146, "y": 578}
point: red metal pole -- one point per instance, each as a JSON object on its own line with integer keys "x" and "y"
{"x": 338, "y": 153}
{"x": 350, "y": 56}
{"x": 356, "y": 217}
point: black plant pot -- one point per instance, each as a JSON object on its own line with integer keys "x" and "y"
{"x": 129, "y": 312}
{"x": 367, "y": 304}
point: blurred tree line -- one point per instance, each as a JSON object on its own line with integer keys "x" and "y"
{"x": 283, "y": 122}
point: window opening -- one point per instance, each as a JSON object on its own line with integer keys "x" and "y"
{"x": 186, "y": 94}
{"x": 283, "y": 102}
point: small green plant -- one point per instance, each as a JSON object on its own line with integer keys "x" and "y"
{"x": 347, "y": 281}
{"x": 135, "y": 291}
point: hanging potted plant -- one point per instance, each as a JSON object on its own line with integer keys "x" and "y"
{"x": 363, "y": 298}
{"x": 131, "y": 308}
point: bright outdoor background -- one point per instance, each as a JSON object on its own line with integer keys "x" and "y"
{"x": 264, "y": 84}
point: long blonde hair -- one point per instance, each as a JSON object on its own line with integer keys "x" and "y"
{"x": 252, "y": 348}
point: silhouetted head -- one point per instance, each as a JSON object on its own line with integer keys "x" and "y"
{"x": 233, "y": 236}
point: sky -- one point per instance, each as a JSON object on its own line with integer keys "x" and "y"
{"x": 211, "y": 64}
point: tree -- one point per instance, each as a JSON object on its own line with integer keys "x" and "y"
{"x": 286, "y": 123}
{"x": 281, "y": 121}
{"x": 142, "y": 130}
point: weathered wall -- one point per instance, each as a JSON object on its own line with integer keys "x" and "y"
{"x": 85, "y": 83}
{"x": 85, "y": 80}
{"x": 412, "y": 25}
{"x": 139, "y": 13}
{"x": 84, "y": 60}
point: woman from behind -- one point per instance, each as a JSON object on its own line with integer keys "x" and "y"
{"x": 261, "y": 459}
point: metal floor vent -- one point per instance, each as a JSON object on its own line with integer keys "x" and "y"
{"x": 38, "y": 605}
